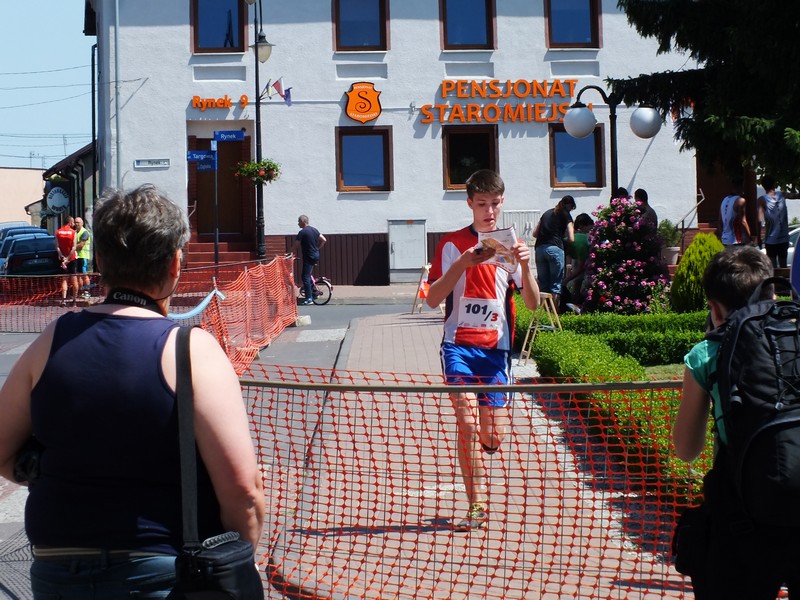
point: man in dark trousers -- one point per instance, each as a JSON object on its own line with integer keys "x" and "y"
{"x": 309, "y": 240}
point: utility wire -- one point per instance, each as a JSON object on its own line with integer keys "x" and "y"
{"x": 38, "y": 156}
{"x": 42, "y": 87}
{"x": 44, "y": 135}
{"x": 44, "y": 102}
{"x": 2, "y": 145}
{"x": 48, "y": 71}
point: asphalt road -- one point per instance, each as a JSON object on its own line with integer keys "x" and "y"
{"x": 328, "y": 328}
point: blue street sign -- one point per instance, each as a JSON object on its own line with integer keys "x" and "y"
{"x": 193, "y": 155}
{"x": 234, "y": 135}
{"x": 206, "y": 165}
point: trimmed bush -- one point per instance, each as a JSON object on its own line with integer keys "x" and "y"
{"x": 605, "y": 323}
{"x": 653, "y": 347}
{"x": 568, "y": 354}
{"x": 654, "y": 339}
{"x": 631, "y": 423}
{"x": 686, "y": 292}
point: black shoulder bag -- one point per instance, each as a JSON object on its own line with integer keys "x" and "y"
{"x": 223, "y": 566}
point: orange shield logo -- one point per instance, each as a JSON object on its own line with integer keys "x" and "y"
{"x": 363, "y": 104}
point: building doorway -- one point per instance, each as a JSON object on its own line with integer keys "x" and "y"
{"x": 234, "y": 197}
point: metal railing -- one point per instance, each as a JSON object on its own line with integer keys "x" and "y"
{"x": 682, "y": 226}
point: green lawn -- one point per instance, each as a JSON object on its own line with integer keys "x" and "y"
{"x": 674, "y": 371}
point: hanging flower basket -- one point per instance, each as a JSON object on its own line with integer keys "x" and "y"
{"x": 263, "y": 171}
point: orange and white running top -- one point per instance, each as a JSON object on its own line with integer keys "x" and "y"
{"x": 479, "y": 311}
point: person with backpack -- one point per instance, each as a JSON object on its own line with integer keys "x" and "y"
{"x": 744, "y": 540}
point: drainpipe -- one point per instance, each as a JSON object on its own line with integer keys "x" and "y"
{"x": 94, "y": 122}
{"x": 81, "y": 189}
{"x": 118, "y": 141}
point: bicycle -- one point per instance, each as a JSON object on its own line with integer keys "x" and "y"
{"x": 321, "y": 290}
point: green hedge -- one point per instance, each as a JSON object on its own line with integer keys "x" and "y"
{"x": 653, "y": 347}
{"x": 593, "y": 347}
{"x": 569, "y": 354}
{"x": 654, "y": 339}
{"x": 604, "y": 323}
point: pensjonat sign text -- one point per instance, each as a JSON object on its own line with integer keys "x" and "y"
{"x": 508, "y": 101}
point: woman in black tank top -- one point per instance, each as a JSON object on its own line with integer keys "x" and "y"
{"x": 96, "y": 392}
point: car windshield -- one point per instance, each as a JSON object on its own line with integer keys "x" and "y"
{"x": 20, "y": 230}
{"x": 9, "y": 241}
{"x": 32, "y": 245}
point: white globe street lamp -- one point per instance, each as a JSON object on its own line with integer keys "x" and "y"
{"x": 579, "y": 122}
{"x": 646, "y": 122}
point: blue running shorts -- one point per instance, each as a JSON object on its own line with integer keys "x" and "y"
{"x": 464, "y": 365}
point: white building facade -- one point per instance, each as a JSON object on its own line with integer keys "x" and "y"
{"x": 385, "y": 106}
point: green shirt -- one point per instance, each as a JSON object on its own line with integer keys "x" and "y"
{"x": 579, "y": 249}
{"x": 702, "y": 364}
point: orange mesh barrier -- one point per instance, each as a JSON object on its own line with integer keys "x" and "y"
{"x": 257, "y": 302}
{"x": 362, "y": 487}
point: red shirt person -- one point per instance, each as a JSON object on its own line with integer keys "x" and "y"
{"x": 66, "y": 239}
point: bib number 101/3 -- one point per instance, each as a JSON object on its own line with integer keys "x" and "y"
{"x": 480, "y": 313}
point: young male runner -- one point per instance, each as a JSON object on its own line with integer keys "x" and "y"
{"x": 478, "y": 332}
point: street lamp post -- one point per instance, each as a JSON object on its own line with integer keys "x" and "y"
{"x": 262, "y": 50}
{"x": 579, "y": 122}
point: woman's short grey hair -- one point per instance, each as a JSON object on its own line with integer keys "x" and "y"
{"x": 136, "y": 235}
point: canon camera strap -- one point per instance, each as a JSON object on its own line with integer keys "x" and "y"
{"x": 128, "y": 297}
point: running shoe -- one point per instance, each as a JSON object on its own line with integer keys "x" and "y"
{"x": 476, "y": 518}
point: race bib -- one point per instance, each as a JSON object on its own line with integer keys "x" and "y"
{"x": 480, "y": 313}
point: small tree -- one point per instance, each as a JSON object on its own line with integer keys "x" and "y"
{"x": 624, "y": 272}
{"x": 669, "y": 232}
{"x": 686, "y": 292}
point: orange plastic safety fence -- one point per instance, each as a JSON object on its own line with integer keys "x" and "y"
{"x": 28, "y": 304}
{"x": 259, "y": 302}
{"x": 363, "y": 486}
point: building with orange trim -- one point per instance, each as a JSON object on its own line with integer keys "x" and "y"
{"x": 380, "y": 112}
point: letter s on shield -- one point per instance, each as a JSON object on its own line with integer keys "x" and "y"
{"x": 363, "y": 104}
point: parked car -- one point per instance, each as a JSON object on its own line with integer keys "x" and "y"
{"x": 7, "y": 224}
{"x": 5, "y": 245}
{"x": 34, "y": 256}
{"x": 794, "y": 234}
{"x": 19, "y": 229}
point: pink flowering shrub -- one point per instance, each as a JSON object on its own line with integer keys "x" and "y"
{"x": 624, "y": 271}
